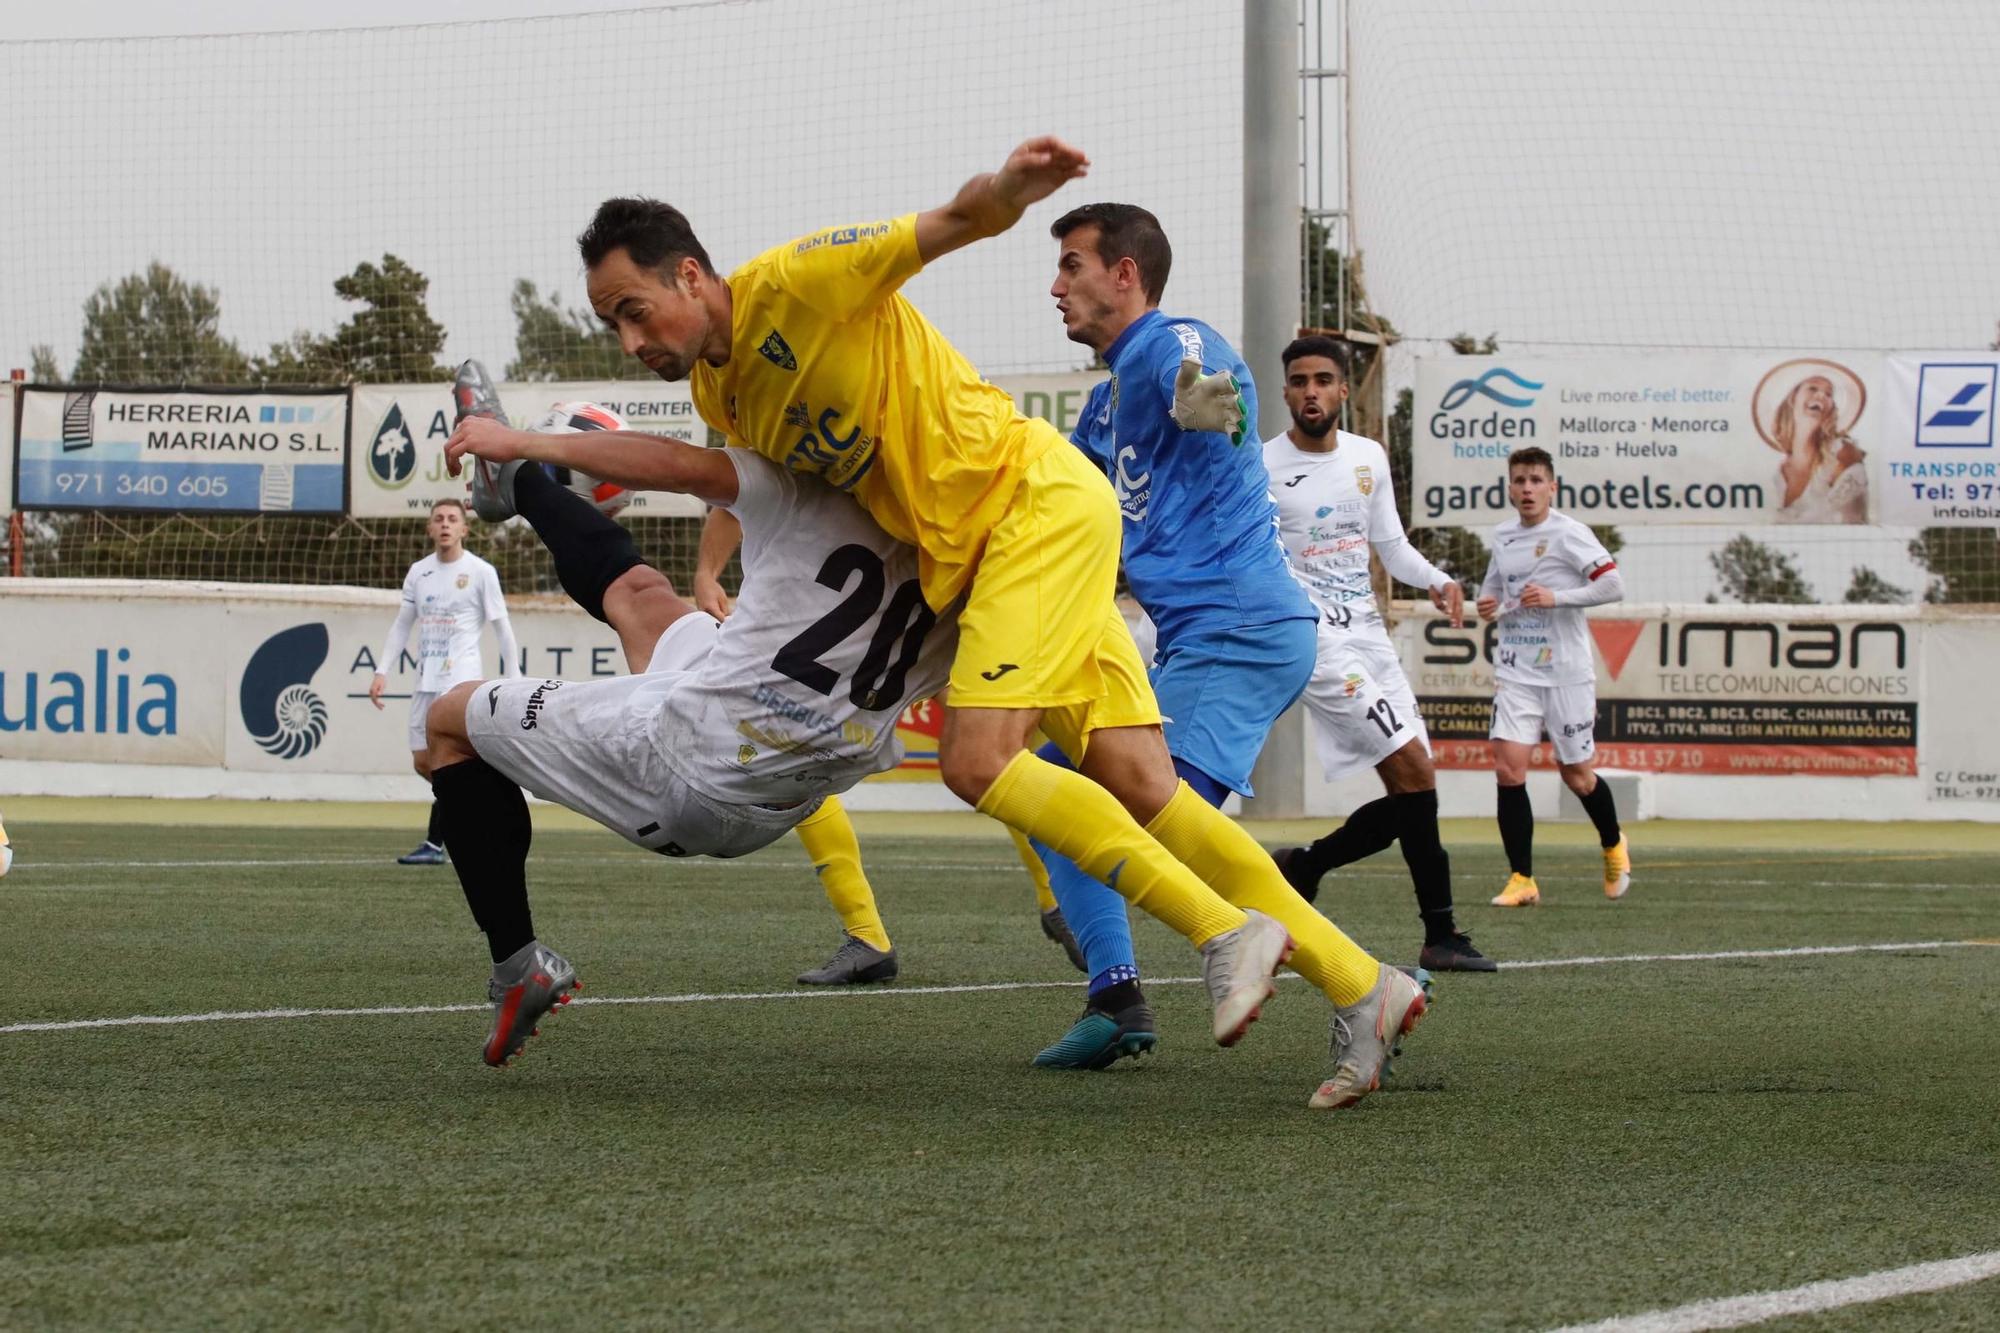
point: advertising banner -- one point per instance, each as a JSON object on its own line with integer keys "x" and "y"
{"x": 1940, "y": 467}
{"x": 400, "y": 429}
{"x": 397, "y": 465}
{"x": 1056, "y": 399}
{"x": 258, "y": 679}
{"x": 1738, "y": 691}
{"x": 228, "y": 451}
{"x": 1734, "y": 439}
{"x": 1961, "y": 763}
{"x": 104, "y": 680}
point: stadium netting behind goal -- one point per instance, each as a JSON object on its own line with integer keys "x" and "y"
{"x": 376, "y": 204}
{"x": 1636, "y": 177}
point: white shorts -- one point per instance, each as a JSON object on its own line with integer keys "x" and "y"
{"x": 1568, "y": 713}
{"x": 591, "y": 745}
{"x": 420, "y": 714}
{"x": 1360, "y": 702}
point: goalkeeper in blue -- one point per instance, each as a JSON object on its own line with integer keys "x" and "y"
{"x": 1201, "y": 555}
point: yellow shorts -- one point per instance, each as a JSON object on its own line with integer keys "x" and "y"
{"x": 1040, "y": 627}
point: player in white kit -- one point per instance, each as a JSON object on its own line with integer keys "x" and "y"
{"x": 726, "y": 736}
{"x": 449, "y": 596}
{"x": 1546, "y": 569}
{"x": 1336, "y": 503}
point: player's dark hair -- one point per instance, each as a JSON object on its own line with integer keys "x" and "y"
{"x": 448, "y": 500}
{"x": 1532, "y": 457}
{"x": 1125, "y": 231}
{"x": 656, "y": 235}
{"x": 1317, "y": 344}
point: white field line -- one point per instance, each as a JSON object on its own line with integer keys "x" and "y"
{"x": 894, "y": 992}
{"x": 33, "y": 876}
{"x": 1737, "y": 1311}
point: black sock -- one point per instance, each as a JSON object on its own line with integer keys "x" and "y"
{"x": 1367, "y": 831}
{"x": 1430, "y": 865}
{"x": 434, "y": 835}
{"x": 1517, "y": 830}
{"x": 1603, "y": 812}
{"x": 1113, "y": 998}
{"x": 487, "y": 832}
{"x": 590, "y": 550}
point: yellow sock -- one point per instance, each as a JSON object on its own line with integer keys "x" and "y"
{"x": 1215, "y": 847}
{"x": 1045, "y": 897}
{"x": 1084, "y": 822}
{"x": 836, "y": 856}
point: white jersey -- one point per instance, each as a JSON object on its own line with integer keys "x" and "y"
{"x": 452, "y": 603}
{"x": 1332, "y": 507}
{"x": 828, "y": 643}
{"x": 1550, "y": 645}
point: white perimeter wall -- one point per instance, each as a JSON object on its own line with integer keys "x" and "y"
{"x": 140, "y": 691}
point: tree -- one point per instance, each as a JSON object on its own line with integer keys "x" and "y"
{"x": 1964, "y": 563}
{"x": 552, "y": 342}
{"x": 391, "y": 339}
{"x": 1753, "y": 572}
{"x": 1868, "y": 587}
{"x": 42, "y": 366}
{"x": 154, "y": 328}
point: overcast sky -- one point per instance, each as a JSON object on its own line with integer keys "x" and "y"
{"x": 151, "y": 18}
{"x": 1603, "y": 176}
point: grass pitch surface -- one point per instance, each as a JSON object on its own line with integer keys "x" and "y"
{"x": 1559, "y": 1143}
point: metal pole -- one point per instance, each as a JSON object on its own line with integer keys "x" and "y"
{"x": 1271, "y": 269}
{"x": 1271, "y": 259}
{"x": 16, "y": 538}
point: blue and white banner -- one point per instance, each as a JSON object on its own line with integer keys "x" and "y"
{"x": 1940, "y": 460}
{"x": 249, "y": 451}
{"x": 1729, "y": 438}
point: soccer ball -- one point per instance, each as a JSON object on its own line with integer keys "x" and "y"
{"x": 567, "y": 418}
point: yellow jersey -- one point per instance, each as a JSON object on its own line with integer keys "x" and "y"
{"x": 832, "y": 371}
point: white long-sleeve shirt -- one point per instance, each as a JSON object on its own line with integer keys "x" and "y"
{"x": 1548, "y": 645}
{"x": 448, "y": 604}
{"x": 1332, "y": 508}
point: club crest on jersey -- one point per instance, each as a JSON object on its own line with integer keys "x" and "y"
{"x": 464, "y": 582}
{"x": 1541, "y": 548}
{"x": 777, "y": 352}
{"x": 1364, "y": 480}
{"x": 745, "y": 753}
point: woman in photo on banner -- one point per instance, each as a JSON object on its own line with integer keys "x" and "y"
{"x": 1805, "y": 410}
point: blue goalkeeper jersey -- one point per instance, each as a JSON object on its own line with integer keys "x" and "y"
{"x": 1202, "y": 549}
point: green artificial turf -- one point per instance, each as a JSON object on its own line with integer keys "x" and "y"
{"x": 1559, "y": 1144}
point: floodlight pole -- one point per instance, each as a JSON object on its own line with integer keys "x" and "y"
{"x": 1271, "y": 267}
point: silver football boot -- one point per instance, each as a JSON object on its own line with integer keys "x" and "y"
{"x": 474, "y": 394}
{"x": 530, "y": 982}
{"x": 1237, "y": 966}
{"x": 1366, "y": 1033}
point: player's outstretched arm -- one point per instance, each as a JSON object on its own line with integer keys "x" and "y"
{"x": 629, "y": 458}
{"x": 990, "y": 203}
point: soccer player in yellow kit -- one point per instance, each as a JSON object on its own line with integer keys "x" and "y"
{"x": 810, "y": 355}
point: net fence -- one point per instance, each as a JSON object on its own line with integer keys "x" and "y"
{"x": 1632, "y": 178}
{"x": 374, "y": 205}
{"x": 1641, "y": 179}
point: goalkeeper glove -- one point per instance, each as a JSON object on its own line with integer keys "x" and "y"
{"x": 1208, "y": 402}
